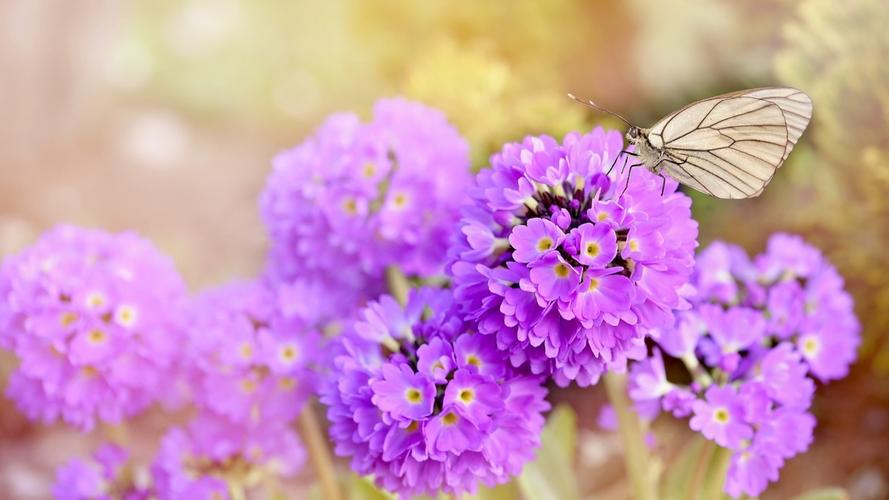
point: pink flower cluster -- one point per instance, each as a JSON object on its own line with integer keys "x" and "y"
{"x": 96, "y": 321}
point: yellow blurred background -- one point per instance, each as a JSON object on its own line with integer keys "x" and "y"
{"x": 162, "y": 116}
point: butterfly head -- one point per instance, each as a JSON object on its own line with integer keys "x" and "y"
{"x": 634, "y": 135}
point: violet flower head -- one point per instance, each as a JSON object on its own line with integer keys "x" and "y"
{"x": 567, "y": 265}
{"x": 720, "y": 417}
{"x": 201, "y": 460}
{"x": 424, "y": 404}
{"x": 96, "y": 321}
{"x": 106, "y": 475}
{"x": 760, "y": 333}
{"x": 250, "y": 354}
{"x": 357, "y": 197}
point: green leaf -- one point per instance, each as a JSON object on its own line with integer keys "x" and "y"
{"x": 824, "y": 494}
{"x": 678, "y": 477}
{"x": 698, "y": 473}
{"x": 551, "y": 475}
{"x": 714, "y": 478}
{"x": 363, "y": 488}
{"x": 508, "y": 491}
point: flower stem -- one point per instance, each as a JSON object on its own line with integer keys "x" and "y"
{"x": 236, "y": 491}
{"x": 319, "y": 453}
{"x": 636, "y": 456}
{"x": 399, "y": 287}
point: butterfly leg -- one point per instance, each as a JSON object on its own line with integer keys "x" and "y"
{"x": 656, "y": 169}
{"x": 629, "y": 175}
{"x": 623, "y": 153}
{"x": 627, "y": 157}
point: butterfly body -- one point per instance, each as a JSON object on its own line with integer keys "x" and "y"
{"x": 650, "y": 156}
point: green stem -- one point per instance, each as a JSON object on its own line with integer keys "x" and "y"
{"x": 319, "y": 453}
{"x": 636, "y": 457}
{"x": 697, "y": 481}
{"x": 236, "y": 490}
{"x": 399, "y": 287}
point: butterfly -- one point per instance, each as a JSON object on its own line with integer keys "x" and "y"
{"x": 728, "y": 146}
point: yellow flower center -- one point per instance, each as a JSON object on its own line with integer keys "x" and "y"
{"x": 246, "y": 350}
{"x": 450, "y": 419}
{"x": 399, "y": 200}
{"x": 89, "y": 371}
{"x": 125, "y": 315}
{"x": 287, "y": 354}
{"x": 602, "y": 216}
{"x": 811, "y": 346}
{"x": 414, "y": 426}
{"x": 95, "y": 300}
{"x": 350, "y": 206}
{"x": 286, "y": 383}
{"x": 466, "y": 396}
{"x": 594, "y": 284}
{"x": 369, "y": 170}
{"x": 97, "y": 336}
{"x": 633, "y": 244}
{"x": 593, "y": 249}
{"x": 413, "y": 396}
{"x": 544, "y": 244}
{"x": 248, "y": 385}
{"x": 473, "y": 360}
{"x": 721, "y": 416}
{"x": 67, "y": 318}
{"x": 561, "y": 270}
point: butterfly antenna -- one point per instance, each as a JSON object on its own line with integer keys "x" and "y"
{"x": 593, "y": 105}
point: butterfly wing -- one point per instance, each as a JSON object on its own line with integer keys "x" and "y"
{"x": 729, "y": 146}
{"x": 796, "y": 106}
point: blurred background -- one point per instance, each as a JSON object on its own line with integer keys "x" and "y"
{"x": 162, "y": 116}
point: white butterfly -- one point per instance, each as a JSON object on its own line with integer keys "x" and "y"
{"x": 728, "y": 146}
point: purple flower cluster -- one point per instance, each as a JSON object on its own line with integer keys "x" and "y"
{"x": 567, "y": 265}
{"x": 424, "y": 404}
{"x": 213, "y": 455}
{"x": 249, "y": 354}
{"x": 106, "y": 476}
{"x": 357, "y": 197}
{"x": 95, "y": 319}
{"x": 760, "y": 332}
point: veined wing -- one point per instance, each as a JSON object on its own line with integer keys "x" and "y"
{"x": 796, "y": 106}
{"x": 727, "y": 146}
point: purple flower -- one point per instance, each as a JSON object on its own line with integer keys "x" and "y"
{"x": 553, "y": 278}
{"x": 751, "y": 470}
{"x": 439, "y": 409}
{"x": 758, "y": 332}
{"x": 403, "y": 393}
{"x": 107, "y": 475}
{"x": 783, "y": 374}
{"x": 436, "y": 360}
{"x": 355, "y": 197}
{"x": 681, "y": 339}
{"x": 248, "y": 360}
{"x": 534, "y": 240}
{"x": 194, "y": 462}
{"x": 473, "y": 396}
{"x": 648, "y": 379}
{"x": 451, "y": 432}
{"x": 733, "y": 330}
{"x": 96, "y": 322}
{"x": 721, "y": 417}
{"x": 602, "y": 292}
{"x": 566, "y": 266}
{"x": 596, "y": 245}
